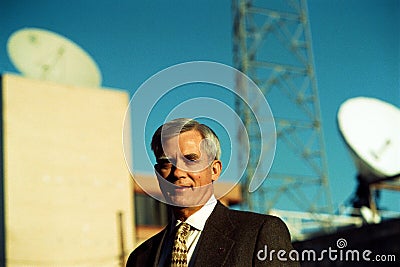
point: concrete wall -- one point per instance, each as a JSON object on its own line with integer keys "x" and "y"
{"x": 65, "y": 179}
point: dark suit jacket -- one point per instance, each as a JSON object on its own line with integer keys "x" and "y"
{"x": 230, "y": 238}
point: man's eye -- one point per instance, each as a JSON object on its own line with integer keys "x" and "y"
{"x": 191, "y": 160}
{"x": 165, "y": 165}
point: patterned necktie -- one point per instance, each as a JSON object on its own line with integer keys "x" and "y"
{"x": 179, "y": 251}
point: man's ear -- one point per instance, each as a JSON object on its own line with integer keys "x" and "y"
{"x": 216, "y": 168}
{"x": 156, "y": 168}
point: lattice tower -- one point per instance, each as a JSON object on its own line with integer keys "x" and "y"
{"x": 272, "y": 45}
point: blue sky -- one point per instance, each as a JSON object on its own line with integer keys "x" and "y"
{"x": 355, "y": 42}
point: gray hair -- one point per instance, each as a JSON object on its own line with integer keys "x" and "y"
{"x": 181, "y": 125}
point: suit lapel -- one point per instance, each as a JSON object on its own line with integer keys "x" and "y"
{"x": 160, "y": 245}
{"x": 155, "y": 248}
{"x": 216, "y": 240}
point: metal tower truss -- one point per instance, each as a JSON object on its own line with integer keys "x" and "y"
{"x": 272, "y": 45}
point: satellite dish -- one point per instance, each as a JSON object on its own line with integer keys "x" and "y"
{"x": 45, "y": 55}
{"x": 371, "y": 130}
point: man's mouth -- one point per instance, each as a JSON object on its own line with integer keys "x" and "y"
{"x": 181, "y": 188}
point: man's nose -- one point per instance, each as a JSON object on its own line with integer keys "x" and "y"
{"x": 178, "y": 172}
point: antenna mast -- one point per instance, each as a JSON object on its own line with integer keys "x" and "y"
{"x": 272, "y": 45}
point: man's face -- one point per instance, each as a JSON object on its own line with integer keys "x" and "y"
{"x": 189, "y": 168}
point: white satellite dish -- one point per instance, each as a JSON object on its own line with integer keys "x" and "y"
{"x": 371, "y": 129}
{"x": 45, "y": 55}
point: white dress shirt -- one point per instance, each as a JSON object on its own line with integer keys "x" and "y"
{"x": 197, "y": 222}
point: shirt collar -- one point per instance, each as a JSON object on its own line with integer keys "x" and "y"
{"x": 198, "y": 219}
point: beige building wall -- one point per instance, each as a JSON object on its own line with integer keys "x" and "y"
{"x": 65, "y": 178}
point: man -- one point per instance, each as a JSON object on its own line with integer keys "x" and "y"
{"x": 202, "y": 231}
